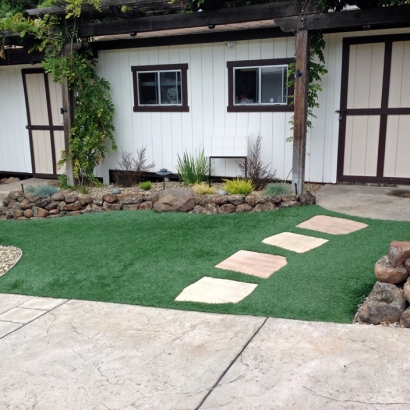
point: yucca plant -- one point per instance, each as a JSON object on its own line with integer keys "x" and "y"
{"x": 239, "y": 186}
{"x": 276, "y": 188}
{"x": 193, "y": 169}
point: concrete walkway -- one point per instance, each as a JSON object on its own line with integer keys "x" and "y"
{"x": 366, "y": 201}
{"x": 70, "y": 354}
{"x": 5, "y": 189}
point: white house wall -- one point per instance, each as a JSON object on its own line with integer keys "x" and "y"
{"x": 14, "y": 138}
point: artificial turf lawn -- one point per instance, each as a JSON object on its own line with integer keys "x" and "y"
{"x": 147, "y": 258}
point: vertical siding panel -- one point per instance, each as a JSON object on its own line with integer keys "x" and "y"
{"x": 186, "y": 118}
{"x": 266, "y": 133}
{"x": 196, "y": 75}
{"x": 280, "y": 47}
{"x": 254, "y": 49}
{"x": 267, "y": 48}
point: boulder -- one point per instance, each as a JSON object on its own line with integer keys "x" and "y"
{"x": 26, "y": 204}
{"x": 58, "y": 196}
{"x": 110, "y": 198}
{"x": 74, "y": 206}
{"x": 306, "y": 198}
{"x": 277, "y": 199}
{"x": 39, "y": 212}
{"x": 70, "y": 198}
{"x": 62, "y": 206}
{"x": 146, "y": 206}
{"x": 74, "y": 213}
{"x": 269, "y": 206}
{"x": 407, "y": 265}
{"x": 236, "y": 199}
{"x": 11, "y": 203}
{"x": 197, "y": 209}
{"x": 220, "y": 200}
{"x": 244, "y": 208}
{"x": 405, "y": 318}
{"x": 227, "y": 209}
{"x": 386, "y": 272}
{"x": 17, "y": 213}
{"x": 42, "y": 201}
{"x": 28, "y": 213}
{"x": 52, "y": 205}
{"x": 85, "y": 199}
{"x": 17, "y": 195}
{"x": 109, "y": 206}
{"x": 92, "y": 208}
{"x": 176, "y": 200}
{"x": 289, "y": 198}
{"x": 11, "y": 180}
{"x": 152, "y": 197}
{"x": 98, "y": 201}
{"x": 130, "y": 207}
{"x": 385, "y": 303}
{"x": 398, "y": 252}
{"x": 210, "y": 209}
{"x": 406, "y": 290}
{"x": 53, "y": 212}
{"x": 289, "y": 204}
{"x": 202, "y": 200}
{"x": 255, "y": 199}
{"x": 129, "y": 199}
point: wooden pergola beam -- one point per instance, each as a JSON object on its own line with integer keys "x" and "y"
{"x": 196, "y": 19}
{"x": 352, "y": 19}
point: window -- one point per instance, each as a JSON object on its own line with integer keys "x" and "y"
{"x": 258, "y": 85}
{"x": 160, "y": 88}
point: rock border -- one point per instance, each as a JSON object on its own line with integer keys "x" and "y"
{"x": 24, "y": 206}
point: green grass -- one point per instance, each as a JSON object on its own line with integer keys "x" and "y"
{"x": 146, "y": 258}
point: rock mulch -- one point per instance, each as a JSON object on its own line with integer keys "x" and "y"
{"x": 388, "y": 302}
{"x": 23, "y": 206}
{"x": 9, "y": 256}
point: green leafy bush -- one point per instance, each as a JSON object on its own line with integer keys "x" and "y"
{"x": 146, "y": 185}
{"x": 239, "y": 186}
{"x": 193, "y": 169}
{"x": 276, "y": 188}
{"x": 204, "y": 189}
{"x": 41, "y": 190}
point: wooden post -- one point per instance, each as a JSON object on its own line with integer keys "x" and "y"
{"x": 68, "y": 118}
{"x": 301, "y": 110}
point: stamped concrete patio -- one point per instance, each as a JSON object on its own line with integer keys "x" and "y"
{"x": 71, "y": 354}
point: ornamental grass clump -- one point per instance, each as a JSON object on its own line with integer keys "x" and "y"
{"x": 276, "y": 188}
{"x": 145, "y": 186}
{"x": 193, "y": 169}
{"x": 204, "y": 189}
{"x": 41, "y": 190}
{"x": 239, "y": 186}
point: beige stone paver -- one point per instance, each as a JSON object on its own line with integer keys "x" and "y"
{"x": 42, "y": 303}
{"x": 213, "y": 290}
{"x": 258, "y": 264}
{"x": 8, "y": 327}
{"x": 294, "y": 242}
{"x": 21, "y": 315}
{"x": 332, "y": 225}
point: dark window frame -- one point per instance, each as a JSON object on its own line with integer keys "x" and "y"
{"x": 256, "y": 107}
{"x": 161, "y": 108}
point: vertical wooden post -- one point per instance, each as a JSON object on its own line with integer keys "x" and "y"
{"x": 68, "y": 118}
{"x": 301, "y": 110}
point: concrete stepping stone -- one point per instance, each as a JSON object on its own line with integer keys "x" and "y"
{"x": 258, "y": 264}
{"x": 21, "y": 315}
{"x": 294, "y": 242}
{"x": 213, "y": 290}
{"x": 332, "y": 225}
{"x": 8, "y": 327}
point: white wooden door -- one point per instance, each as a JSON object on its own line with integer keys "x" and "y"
{"x": 44, "y": 121}
{"x": 375, "y": 110}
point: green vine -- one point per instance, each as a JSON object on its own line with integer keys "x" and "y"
{"x": 92, "y": 127}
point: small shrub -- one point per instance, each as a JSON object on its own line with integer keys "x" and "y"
{"x": 239, "y": 186}
{"x": 146, "y": 185}
{"x": 41, "y": 190}
{"x": 258, "y": 173}
{"x": 62, "y": 180}
{"x": 132, "y": 168}
{"x": 193, "y": 170}
{"x": 82, "y": 189}
{"x": 276, "y": 188}
{"x": 204, "y": 189}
